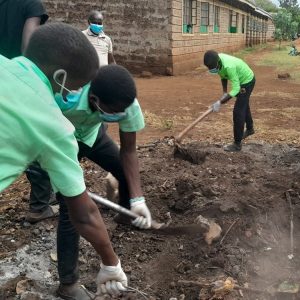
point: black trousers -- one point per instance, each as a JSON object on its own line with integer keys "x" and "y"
{"x": 242, "y": 112}
{"x": 104, "y": 153}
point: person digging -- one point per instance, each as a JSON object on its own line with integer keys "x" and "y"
{"x": 109, "y": 98}
{"x": 33, "y": 128}
{"x": 242, "y": 83}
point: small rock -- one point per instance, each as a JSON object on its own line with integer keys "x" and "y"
{"x": 146, "y": 74}
{"x": 172, "y": 284}
{"x": 47, "y": 275}
{"x": 127, "y": 269}
{"x": 30, "y": 296}
{"x": 284, "y": 75}
{"x": 173, "y": 298}
{"x": 49, "y": 227}
{"x": 22, "y": 286}
{"x": 248, "y": 233}
{"x": 181, "y": 297}
{"x": 169, "y": 71}
{"x": 236, "y": 270}
{"x": 53, "y": 256}
{"x": 36, "y": 231}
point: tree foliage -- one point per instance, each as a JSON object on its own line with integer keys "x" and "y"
{"x": 266, "y": 5}
{"x": 285, "y": 27}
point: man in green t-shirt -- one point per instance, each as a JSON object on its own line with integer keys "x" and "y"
{"x": 242, "y": 83}
{"x": 32, "y": 128}
{"x": 111, "y": 97}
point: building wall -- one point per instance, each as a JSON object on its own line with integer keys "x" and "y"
{"x": 270, "y": 31}
{"x": 188, "y": 49}
{"x": 138, "y": 28}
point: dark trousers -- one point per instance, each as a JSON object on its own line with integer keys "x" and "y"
{"x": 104, "y": 153}
{"x": 241, "y": 111}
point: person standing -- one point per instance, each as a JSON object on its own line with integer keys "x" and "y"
{"x": 18, "y": 20}
{"x": 242, "y": 83}
{"x": 41, "y": 133}
{"x": 99, "y": 39}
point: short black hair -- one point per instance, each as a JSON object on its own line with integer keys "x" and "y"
{"x": 61, "y": 46}
{"x": 211, "y": 58}
{"x": 94, "y": 13}
{"x": 114, "y": 84}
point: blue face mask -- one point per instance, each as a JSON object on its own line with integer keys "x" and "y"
{"x": 69, "y": 101}
{"x": 110, "y": 118}
{"x": 214, "y": 71}
{"x": 95, "y": 28}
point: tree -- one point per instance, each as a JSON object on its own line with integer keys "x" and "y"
{"x": 266, "y": 5}
{"x": 285, "y": 27}
{"x": 291, "y": 6}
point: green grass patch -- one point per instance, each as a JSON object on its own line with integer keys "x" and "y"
{"x": 284, "y": 63}
{"x": 246, "y": 51}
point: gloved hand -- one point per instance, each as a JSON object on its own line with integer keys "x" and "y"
{"x": 138, "y": 206}
{"x": 216, "y": 106}
{"x": 111, "y": 280}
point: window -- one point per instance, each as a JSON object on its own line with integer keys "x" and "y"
{"x": 243, "y": 24}
{"x": 204, "y": 18}
{"x": 233, "y": 21}
{"x": 187, "y": 17}
{"x": 217, "y": 19}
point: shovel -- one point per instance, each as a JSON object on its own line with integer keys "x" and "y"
{"x": 192, "y": 155}
{"x": 180, "y": 136}
{"x": 210, "y": 230}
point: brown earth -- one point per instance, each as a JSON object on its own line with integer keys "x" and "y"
{"x": 246, "y": 193}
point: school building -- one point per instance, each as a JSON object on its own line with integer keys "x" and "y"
{"x": 169, "y": 36}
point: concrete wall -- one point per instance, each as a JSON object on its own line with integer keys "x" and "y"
{"x": 138, "y": 28}
{"x": 188, "y": 49}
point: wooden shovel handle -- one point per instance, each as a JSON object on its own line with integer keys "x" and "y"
{"x": 192, "y": 125}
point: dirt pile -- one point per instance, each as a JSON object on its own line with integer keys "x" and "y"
{"x": 244, "y": 192}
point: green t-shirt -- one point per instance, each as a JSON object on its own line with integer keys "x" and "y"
{"x": 235, "y": 70}
{"x": 32, "y": 128}
{"x": 87, "y": 122}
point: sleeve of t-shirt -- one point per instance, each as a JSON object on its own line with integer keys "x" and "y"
{"x": 59, "y": 159}
{"x": 134, "y": 120}
{"x": 34, "y": 8}
{"x": 235, "y": 82}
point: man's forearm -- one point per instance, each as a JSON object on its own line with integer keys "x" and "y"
{"x": 224, "y": 85}
{"x": 225, "y": 98}
{"x": 87, "y": 219}
{"x": 131, "y": 170}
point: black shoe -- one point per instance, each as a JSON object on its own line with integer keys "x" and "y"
{"x": 50, "y": 212}
{"x": 74, "y": 292}
{"x": 234, "y": 147}
{"x": 248, "y": 132}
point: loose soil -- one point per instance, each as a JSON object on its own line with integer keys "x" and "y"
{"x": 246, "y": 193}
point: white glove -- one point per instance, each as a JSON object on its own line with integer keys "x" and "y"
{"x": 138, "y": 206}
{"x": 111, "y": 280}
{"x": 216, "y": 106}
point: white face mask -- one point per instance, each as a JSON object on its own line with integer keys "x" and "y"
{"x": 59, "y": 73}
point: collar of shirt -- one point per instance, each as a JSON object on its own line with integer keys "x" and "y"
{"x": 29, "y": 65}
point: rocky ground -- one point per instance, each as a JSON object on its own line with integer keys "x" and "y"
{"x": 251, "y": 195}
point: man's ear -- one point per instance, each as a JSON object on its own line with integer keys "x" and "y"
{"x": 93, "y": 99}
